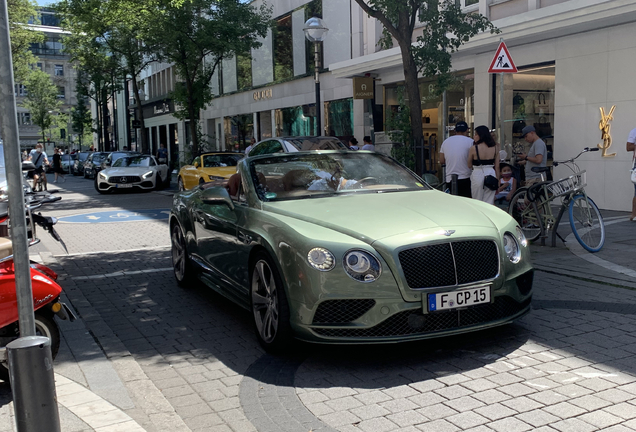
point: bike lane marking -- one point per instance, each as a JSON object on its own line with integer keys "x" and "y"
{"x": 114, "y": 216}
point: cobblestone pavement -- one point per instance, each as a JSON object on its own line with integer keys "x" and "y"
{"x": 567, "y": 366}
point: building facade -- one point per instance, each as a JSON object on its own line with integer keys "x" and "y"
{"x": 572, "y": 55}
{"x": 53, "y": 60}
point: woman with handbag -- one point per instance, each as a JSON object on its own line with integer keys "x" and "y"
{"x": 483, "y": 159}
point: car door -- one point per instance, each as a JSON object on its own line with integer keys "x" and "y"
{"x": 216, "y": 236}
{"x": 190, "y": 173}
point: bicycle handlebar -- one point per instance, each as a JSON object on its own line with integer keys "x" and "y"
{"x": 585, "y": 150}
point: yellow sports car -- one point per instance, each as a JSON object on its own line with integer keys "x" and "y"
{"x": 208, "y": 167}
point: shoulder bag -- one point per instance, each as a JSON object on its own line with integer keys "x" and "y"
{"x": 490, "y": 181}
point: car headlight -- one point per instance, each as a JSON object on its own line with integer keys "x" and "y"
{"x": 361, "y": 266}
{"x": 103, "y": 176}
{"x": 212, "y": 178}
{"x": 511, "y": 247}
{"x": 321, "y": 259}
{"x": 147, "y": 175}
{"x": 522, "y": 237}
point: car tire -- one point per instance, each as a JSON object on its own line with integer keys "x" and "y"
{"x": 269, "y": 306}
{"x": 182, "y": 267}
{"x": 180, "y": 185}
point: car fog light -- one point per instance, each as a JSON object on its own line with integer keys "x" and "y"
{"x": 147, "y": 175}
{"x": 522, "y": 237}
{"x": 361, "y": 266}
{"x": 511, "y": 247}
{"x": 321, "y": 259}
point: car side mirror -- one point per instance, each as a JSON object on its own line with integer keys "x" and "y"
{"x": 217, "y": 196}
{"x": 28, "y": 166}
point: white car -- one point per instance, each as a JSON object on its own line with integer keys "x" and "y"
{"x": 130, "y": 172}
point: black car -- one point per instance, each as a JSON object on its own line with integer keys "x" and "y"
{"x": 93, "y": 164}
{"x": 78, "y": 165}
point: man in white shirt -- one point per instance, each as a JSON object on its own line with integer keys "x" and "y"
{"x": 454, "y": 153}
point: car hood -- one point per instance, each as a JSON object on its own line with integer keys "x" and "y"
{"x": 371, "y": 217}
{"x": 127, "y": 171}
{"x": 225, "y": 172}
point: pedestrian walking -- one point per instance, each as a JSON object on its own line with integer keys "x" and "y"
{"x": 57, "y": 165}
{"x": 40, "y": 159}
{"x": 483, "y": 159}
{"x": 162, "y": 155}
{"x": 537, "y": 156}
{"x": 353, "y": 144}
{"x": 454, "y": 154}
{"x": 631, "y": 147}
{"x": 249, "y": 148}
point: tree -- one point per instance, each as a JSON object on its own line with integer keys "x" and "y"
{"x": 445, "y": 29}
{"x": 41, "y": 100}
{"x": 195, "y": 36}
{"x": 22, "y": 36}
{"x": 117, "y": 30}
{"x": 81, "y": 118}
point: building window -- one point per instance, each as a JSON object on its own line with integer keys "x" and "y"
{"x": 296, "y": 121}
{"x": 39, "y": 66}
{"x": 244, "y": 71}
{"x": 283, "y": 49}
{"x": 52, "y": 46}
{"x": 339, "y": 118}
{"x": 467, "y": 3}
{"x": 20, "y": 90}
{"x": 61, "y": 92}
{"x": 59, "y": 70}
{"x": 49, "y": 19}
{"x": 24, "y": 118}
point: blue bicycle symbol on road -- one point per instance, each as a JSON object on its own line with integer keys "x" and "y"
{"x": 117, "y": 216}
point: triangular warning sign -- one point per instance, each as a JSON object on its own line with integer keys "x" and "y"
{"x": 502, "y": 61}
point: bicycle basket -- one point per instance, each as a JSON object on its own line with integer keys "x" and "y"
{"x": 569, "y": 184}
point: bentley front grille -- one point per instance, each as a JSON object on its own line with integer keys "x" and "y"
{"x": 341, "y": 311}
{"x": 450, "y": 264}
{"x": 414, "y": 321}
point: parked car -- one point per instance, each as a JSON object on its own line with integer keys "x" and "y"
{"x": 133, "y": 171}
{"x": 93, "y": 164}
{"x": 295, "y": 144}
{"x": 68, "y": 161}
{"x": 208, "y": 167}
{"x": 344, "y": 247}
{"x": 78, "y": 165}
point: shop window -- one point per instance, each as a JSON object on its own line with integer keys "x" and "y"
{"x": 239, "y": 130}
{"x": 296, "y": 121}
{"x": 339, "y": 118}
{"x": 244, "y": 71}
{"x": 283, "y": 48}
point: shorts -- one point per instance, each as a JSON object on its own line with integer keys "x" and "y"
{"x": 531, "y": 181}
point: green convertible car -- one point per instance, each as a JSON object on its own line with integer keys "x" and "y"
{"x": 343, "y": 247}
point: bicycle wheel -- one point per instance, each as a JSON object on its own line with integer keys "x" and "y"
{"x": 521, "y": 209}
{"x": 587, "y": 223}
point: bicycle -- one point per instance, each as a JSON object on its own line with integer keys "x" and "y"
{"x": 531, "y": 207}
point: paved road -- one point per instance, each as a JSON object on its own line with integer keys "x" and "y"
{"x": 187, "y": 359}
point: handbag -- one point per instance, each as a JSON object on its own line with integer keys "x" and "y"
{"x": 633, "y": 170}
{"x": 543, "y": 128}
{"x": 490, "y": 181}
{"x": 541, "y": 105}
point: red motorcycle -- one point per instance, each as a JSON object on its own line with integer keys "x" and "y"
{"x": 46, "y": 292}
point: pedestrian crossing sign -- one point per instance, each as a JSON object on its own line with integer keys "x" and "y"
{"x": 502, "y": 62}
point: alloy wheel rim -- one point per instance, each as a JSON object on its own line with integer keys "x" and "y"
{"x": 178, "y": 253}
{"x": 265, "y": 301}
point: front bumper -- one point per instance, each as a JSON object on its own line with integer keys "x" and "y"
{"x": 105, "y": 185}
{"x": 393, "y": 320}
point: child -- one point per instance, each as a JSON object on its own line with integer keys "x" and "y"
{"x": 507, "y": 184}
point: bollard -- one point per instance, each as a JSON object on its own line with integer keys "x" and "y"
{"x": 33, "y": 384}
{"x": 454, "y": 184}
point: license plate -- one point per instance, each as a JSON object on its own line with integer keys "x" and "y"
{"x": 123, "y": 186}
{"x": 458, "y": 299}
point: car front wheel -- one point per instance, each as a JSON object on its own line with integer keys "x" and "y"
{"x": 183, "y": 271}
{"x": 269, "y": 306}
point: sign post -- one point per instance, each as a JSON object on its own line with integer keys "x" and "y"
{"x": 502, "y": 63}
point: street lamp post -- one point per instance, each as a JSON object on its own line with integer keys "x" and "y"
{"x": 316, "y": 31}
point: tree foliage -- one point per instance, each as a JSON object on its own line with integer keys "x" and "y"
{"x": 22, "y": 36}
{"x": 81, "y": 118}
{"x": 41, "y": 99}
{"x": 195, "y": 36}
{"x": 445, "y": 28}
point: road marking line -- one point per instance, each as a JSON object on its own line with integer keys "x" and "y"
{"x": 122, "y": 273}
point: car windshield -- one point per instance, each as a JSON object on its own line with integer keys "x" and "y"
{"x": 66, "y": 157}
{"x": 297, "y": 176}
{"x": 83, "y": 156}
{"x": 221, "y": 160}
{"x": 134, "y": 161}
{"x": 310, "y": 143}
